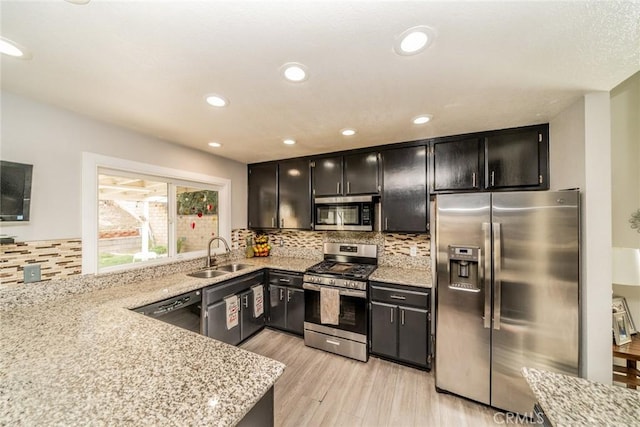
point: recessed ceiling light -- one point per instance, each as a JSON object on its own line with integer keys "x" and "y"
{"x": 414, "y": 40}
{"x": 79, "y": 1}
{"x": 11, "y": 48}
{"x": 348, "y": 132}
{"x": 289, "y": 141}
{"x": 420, "y": 120}
{"x": 294, "y": 72}
{"x": 215, "y": 144}
{"x": 217, "y": 100}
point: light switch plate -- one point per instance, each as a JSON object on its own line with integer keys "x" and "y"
{"x": 32, "y": 273}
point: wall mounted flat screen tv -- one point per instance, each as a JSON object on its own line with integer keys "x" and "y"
{"x": 15, "y": 191}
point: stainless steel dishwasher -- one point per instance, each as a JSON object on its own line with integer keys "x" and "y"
{"x": 183, "y": 310}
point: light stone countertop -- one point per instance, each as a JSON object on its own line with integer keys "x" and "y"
{"x": 85, "y": 359}
{"x": 571, "y": 401}
{"x": 403, "y": 276}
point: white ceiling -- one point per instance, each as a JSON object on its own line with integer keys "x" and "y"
{"x": 147, "y": 65}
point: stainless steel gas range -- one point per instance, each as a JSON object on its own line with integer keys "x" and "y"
{"x": 335, "y": 299}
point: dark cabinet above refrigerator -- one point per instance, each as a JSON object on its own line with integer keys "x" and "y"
{"x": 509, "y": 159}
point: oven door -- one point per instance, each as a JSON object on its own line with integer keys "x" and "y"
{"x": 353, "y": 308}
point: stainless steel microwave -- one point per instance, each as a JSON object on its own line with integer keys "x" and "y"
{"x": 355, "y": 213}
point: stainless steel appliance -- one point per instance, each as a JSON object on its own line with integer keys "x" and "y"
{"x": 345, "y": 269}
{"x": 182, "y": 310}
{"x": 352, "y": 213}
{"x": 507, "y": 292}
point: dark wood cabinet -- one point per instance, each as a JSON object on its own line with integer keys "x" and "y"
{"x": 361, "y": 174}
{"x": 508, "y": 159}
{"x": 457, "y": 165}
{"x": 345, "y": 175}
{"x": 401, "y": 323}
{"x": 517, "y": 158}
{"x": 404, "y": 190}
{"x": 294, "y": 190}
{"x": 286, "y": 301}
{"x": 263, "y": 196}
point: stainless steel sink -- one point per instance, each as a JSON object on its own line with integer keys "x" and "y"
{"x": 207, "y": 273}
{"x": 233, "y": 267}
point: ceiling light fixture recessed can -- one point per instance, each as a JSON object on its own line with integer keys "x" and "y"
{"x": 217, "y": 100}
{"x": 79, "y": 1}
{"x": 11, "y": 48}
{"x": 215, "y": 144}
{"x": 414, "y": 40}
{"x": 348, "y": 132}
{"x": 294, "y": 72}
{"x": 420, "y": 120}
{"x": 289, "y": 141}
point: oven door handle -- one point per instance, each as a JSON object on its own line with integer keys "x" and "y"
{"x": 345, "y": 292}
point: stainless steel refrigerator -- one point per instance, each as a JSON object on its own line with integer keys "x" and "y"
{"x": 507, "y": 292}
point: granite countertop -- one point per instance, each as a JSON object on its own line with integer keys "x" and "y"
{"x": 84, "y": 358}
{"x": 403, "y": 276}
{"x": 571, "y": 401}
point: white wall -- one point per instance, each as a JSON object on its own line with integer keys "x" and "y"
{"x": 579, "y": 157}
{"x": 625, "y": 175}
{"x": 53, "y": 139}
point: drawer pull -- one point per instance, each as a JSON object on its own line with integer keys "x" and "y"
{"x": 400, "y": 297}
{"x": 332, "y": 342}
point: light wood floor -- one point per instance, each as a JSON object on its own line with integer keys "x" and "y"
{"x": 323, "y": 389}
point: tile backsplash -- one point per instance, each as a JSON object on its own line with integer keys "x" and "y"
{"x": 63, "y": 258}
{"x": 57, "y": 259}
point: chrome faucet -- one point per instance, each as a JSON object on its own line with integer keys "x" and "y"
{"x": 226, "y": 245}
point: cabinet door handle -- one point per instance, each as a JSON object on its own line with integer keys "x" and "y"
{"x": 282, "y": 223}
{"x": 246, "y": 301}
{"x": 473, "y": 180}
{"x": 281, "y": 294}
{"x": 402, "y": 317}
{"x": 400, "y": 297}
{"x": 288, "y": 295}
{"x": 338, "y": 187}
{"x": 391, "y": 312}
{"x": 386, "y": 223}
{"x": 281, "y": 280}
{"x": 348, "y": 187}
{"x": 273, "y": 222}
{"x": 493, "y": 176}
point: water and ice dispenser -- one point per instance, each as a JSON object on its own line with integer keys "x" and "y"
{"x": 463, "y": 268}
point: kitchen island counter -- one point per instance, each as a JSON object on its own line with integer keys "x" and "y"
{"x": 571, "y": 401}
{"x": 71, "y": 357}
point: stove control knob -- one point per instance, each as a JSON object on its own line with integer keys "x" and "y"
{"x": 332, "y": 282}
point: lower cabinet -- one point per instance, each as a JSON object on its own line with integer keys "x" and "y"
{"x": 286, "y": 302}
{"x": 401, "y": 323}
{"x": 215, "y": 312}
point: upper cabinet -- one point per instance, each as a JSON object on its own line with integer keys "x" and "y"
{"x": 517, "y": 158}
{"x": 280, "y": 195}
{"x": 510, "y": 159}
{"x": 345, "y": 175}
{"x": 263, "y": 195}
{"x": 457, "y": 165}
{"x": 294, "y": 187}
{"x": 404, "y": 190}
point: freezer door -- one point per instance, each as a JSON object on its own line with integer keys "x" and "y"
{"x": 463, "y": 315}
{"x": 536, "y": 282}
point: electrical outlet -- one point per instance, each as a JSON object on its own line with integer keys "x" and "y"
{"x": 32, "y": 273}
{"x": 413, "y": 250}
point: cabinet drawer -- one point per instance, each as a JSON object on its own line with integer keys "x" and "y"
{"x": 282, "y": 278}
{"x": 399, "y": 296}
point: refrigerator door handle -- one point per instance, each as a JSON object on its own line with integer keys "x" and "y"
{"x": 497, "y": 266}
{"x": 485, "y": 270}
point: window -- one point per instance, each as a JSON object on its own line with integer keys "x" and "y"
{"x": 136, "y": 214}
